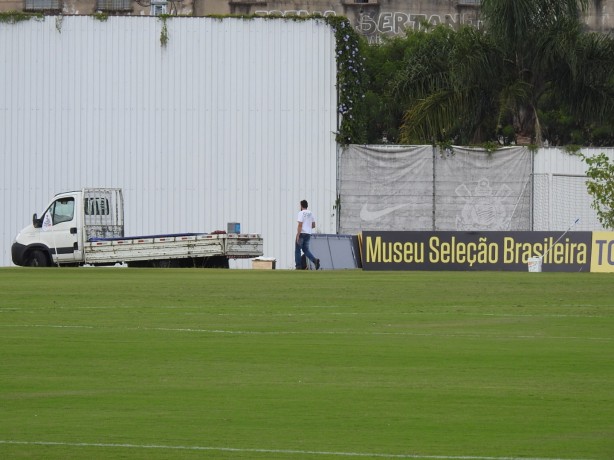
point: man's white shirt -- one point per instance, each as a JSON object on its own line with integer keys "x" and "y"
{"x": 307, "y": 218}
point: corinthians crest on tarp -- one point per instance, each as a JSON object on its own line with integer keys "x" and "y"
{"x": 484, "y": 207}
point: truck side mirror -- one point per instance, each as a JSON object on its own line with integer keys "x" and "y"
{"x": 36, "y": 222}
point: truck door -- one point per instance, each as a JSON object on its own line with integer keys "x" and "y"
{"x": 59, "y": 230}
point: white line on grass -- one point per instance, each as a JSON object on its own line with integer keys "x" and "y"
{"x": 268, "y": 451}
{"x": 341, "y": 313}
{"x": 418, "y": 313}
{"x": 411, "y": 334}
{"x": 242, "y": 332}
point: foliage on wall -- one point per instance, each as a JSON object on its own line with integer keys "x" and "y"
{"x": 351, "y": 82}
{"x": 13, "y": 17}
{"x": 101, "y": 16}
{"x": 164, "y": 31}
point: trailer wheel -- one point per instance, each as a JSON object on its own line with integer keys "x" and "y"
{"x": 37, "y": 259}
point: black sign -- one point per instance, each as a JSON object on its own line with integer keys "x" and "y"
{"x": 476, "y": 250}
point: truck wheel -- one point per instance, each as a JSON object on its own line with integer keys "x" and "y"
{"x": 37, "y": 259}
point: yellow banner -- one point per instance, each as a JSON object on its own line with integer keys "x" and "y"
{"x": 602, "y": 254}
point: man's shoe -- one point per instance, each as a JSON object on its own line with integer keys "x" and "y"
{"x": 317, "y": 264}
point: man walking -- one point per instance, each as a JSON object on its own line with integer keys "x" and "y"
{"x": 306, "y": 223}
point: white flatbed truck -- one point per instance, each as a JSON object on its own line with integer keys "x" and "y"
{"x": 86, "y": 227}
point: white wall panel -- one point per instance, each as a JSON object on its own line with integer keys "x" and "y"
{"x": 560, "y": 196}
{"x": 555, "y": 160}
{"x": 232, "y": 121}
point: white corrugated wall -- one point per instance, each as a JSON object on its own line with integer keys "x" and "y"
{"x": 557, "y": 161}
{"x": 232, "y": 121}
{"x": 559, "y": 191}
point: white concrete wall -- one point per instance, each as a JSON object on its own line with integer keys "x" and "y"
{"x": 232, "y": 121}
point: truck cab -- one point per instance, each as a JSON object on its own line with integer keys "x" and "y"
{"x": 58, "y": 236}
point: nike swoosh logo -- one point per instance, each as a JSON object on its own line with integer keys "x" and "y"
{"x": 367, "y": 215}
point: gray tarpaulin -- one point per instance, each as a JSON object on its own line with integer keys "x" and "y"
{"x": 386, "y": 188}
{"x": 426, "y": 188}
{"x": 478, "y": 190}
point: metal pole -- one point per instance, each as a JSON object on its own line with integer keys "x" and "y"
{"x": 559, "y": 239}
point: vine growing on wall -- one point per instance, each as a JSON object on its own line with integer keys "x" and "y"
{"x": 351, "y": 82}
{"x": 59, "y": 20}
{"x": 164, "y": 31}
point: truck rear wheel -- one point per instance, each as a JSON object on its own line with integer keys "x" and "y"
{"x": 37, "y": 259}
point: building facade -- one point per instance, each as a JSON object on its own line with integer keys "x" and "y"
{"x": 372, "y": 18}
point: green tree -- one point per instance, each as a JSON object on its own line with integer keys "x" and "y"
{"x": 600, "y": 185}
{"x": 550, "y": 57}
{"x": 451, "y": 85}
{"x": 533, "y": 71}
{"x": 384, "y": 110}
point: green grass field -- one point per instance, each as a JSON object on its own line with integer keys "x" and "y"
{"x": 256, "y": 364}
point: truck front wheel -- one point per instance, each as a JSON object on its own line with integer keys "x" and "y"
{"x": 37, "y": 259}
